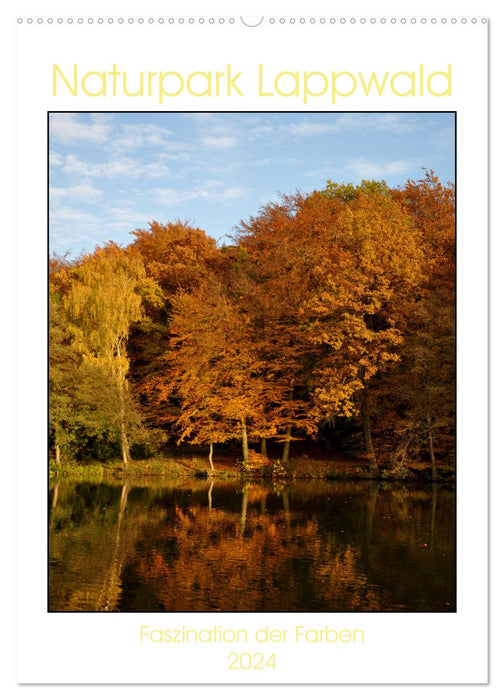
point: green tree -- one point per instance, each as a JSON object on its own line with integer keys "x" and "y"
{"x": 64, "y": 363}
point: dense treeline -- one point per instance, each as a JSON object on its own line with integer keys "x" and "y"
{"x": 331, "y": 318}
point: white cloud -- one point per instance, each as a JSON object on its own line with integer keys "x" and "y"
{"x": 213, "y": 183}
{"x": 85, "y": 191}
{"x": 120, "y": 167}
{"x": 310, "y": 128}
{"x": 172, "y": 197}
{"x": 218, "y": 141}
{"x": 68, "y": 214}
{"x": 69, "y": 128}
{"x": 260, "y": 132}
{"x": 55, "y": 159}
{"x": 397, "y": 123}
{"x": 80, "y": 229}
{"x": 120, "y": 215}
{"x": 444, "y": 139}
{"x": 135, "y": 136}
{"x": 380, "y": 121}
{"x": 231, "y": 193}
{"x": 366, "y": 169}
{"x": 74, "y": 229}
{"x": 216, "y": 131}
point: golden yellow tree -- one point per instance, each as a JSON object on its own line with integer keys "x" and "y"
{"x": 105, "y": 297}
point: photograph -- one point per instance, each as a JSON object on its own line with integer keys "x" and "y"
{"x": 251, "y": 362}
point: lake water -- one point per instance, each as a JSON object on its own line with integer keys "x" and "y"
{"x": 196, "y": 545}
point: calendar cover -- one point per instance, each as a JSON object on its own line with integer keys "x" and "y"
{"x": 253, "y": 372}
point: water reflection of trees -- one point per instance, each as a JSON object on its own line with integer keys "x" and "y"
{"x": 257, "y": 561}
{"x": 90, "y": 537}
{"x": 229, "y": 547}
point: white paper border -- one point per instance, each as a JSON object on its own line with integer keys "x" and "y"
{"x": 459, "y": 170}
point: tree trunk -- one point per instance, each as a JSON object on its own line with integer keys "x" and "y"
{"x": 433, "y": 514}
{"x": 210, "y": 455}
{"x": 244, "y": 442}
{"x": 286, "y": 446}
{"x": 264, "y": 448}
{"x": 124, "y": 437}
{"x": 368, "y": 438}
{"x": 122, "y": 503}
{"x": 210, "y": 495}
{"x": 124, "y": 445}
{"x": 286, "y": 507}
{"x": 243, "y": 519}
{"x": 55, "y": 498}
{"x": 434, "y": 474}
{"x": 110, "y": 592}
{"x": 57, "y": 455}
{"x": 368, "y": 528}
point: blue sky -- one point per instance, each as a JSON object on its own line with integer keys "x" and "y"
{"x": 110, "y": 173}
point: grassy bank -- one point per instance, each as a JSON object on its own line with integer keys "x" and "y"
{"x": 196, "y": 466}
{"x": 169, "y": 467}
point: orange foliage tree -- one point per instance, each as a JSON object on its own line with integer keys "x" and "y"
{"x": 327, "y": 278}
{"x": 178, "y": 257}
{"x": 212, "y": 368}
{"x": 372, "y": 263}
{"x": 330, "y": 305}
{"x": 427, "y": 376}
{"x": 279, "y": 255}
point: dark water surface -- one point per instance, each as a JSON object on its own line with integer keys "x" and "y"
{"x": 194, "y": 545}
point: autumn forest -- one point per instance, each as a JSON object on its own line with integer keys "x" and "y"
{"x": 325, "y": 330}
